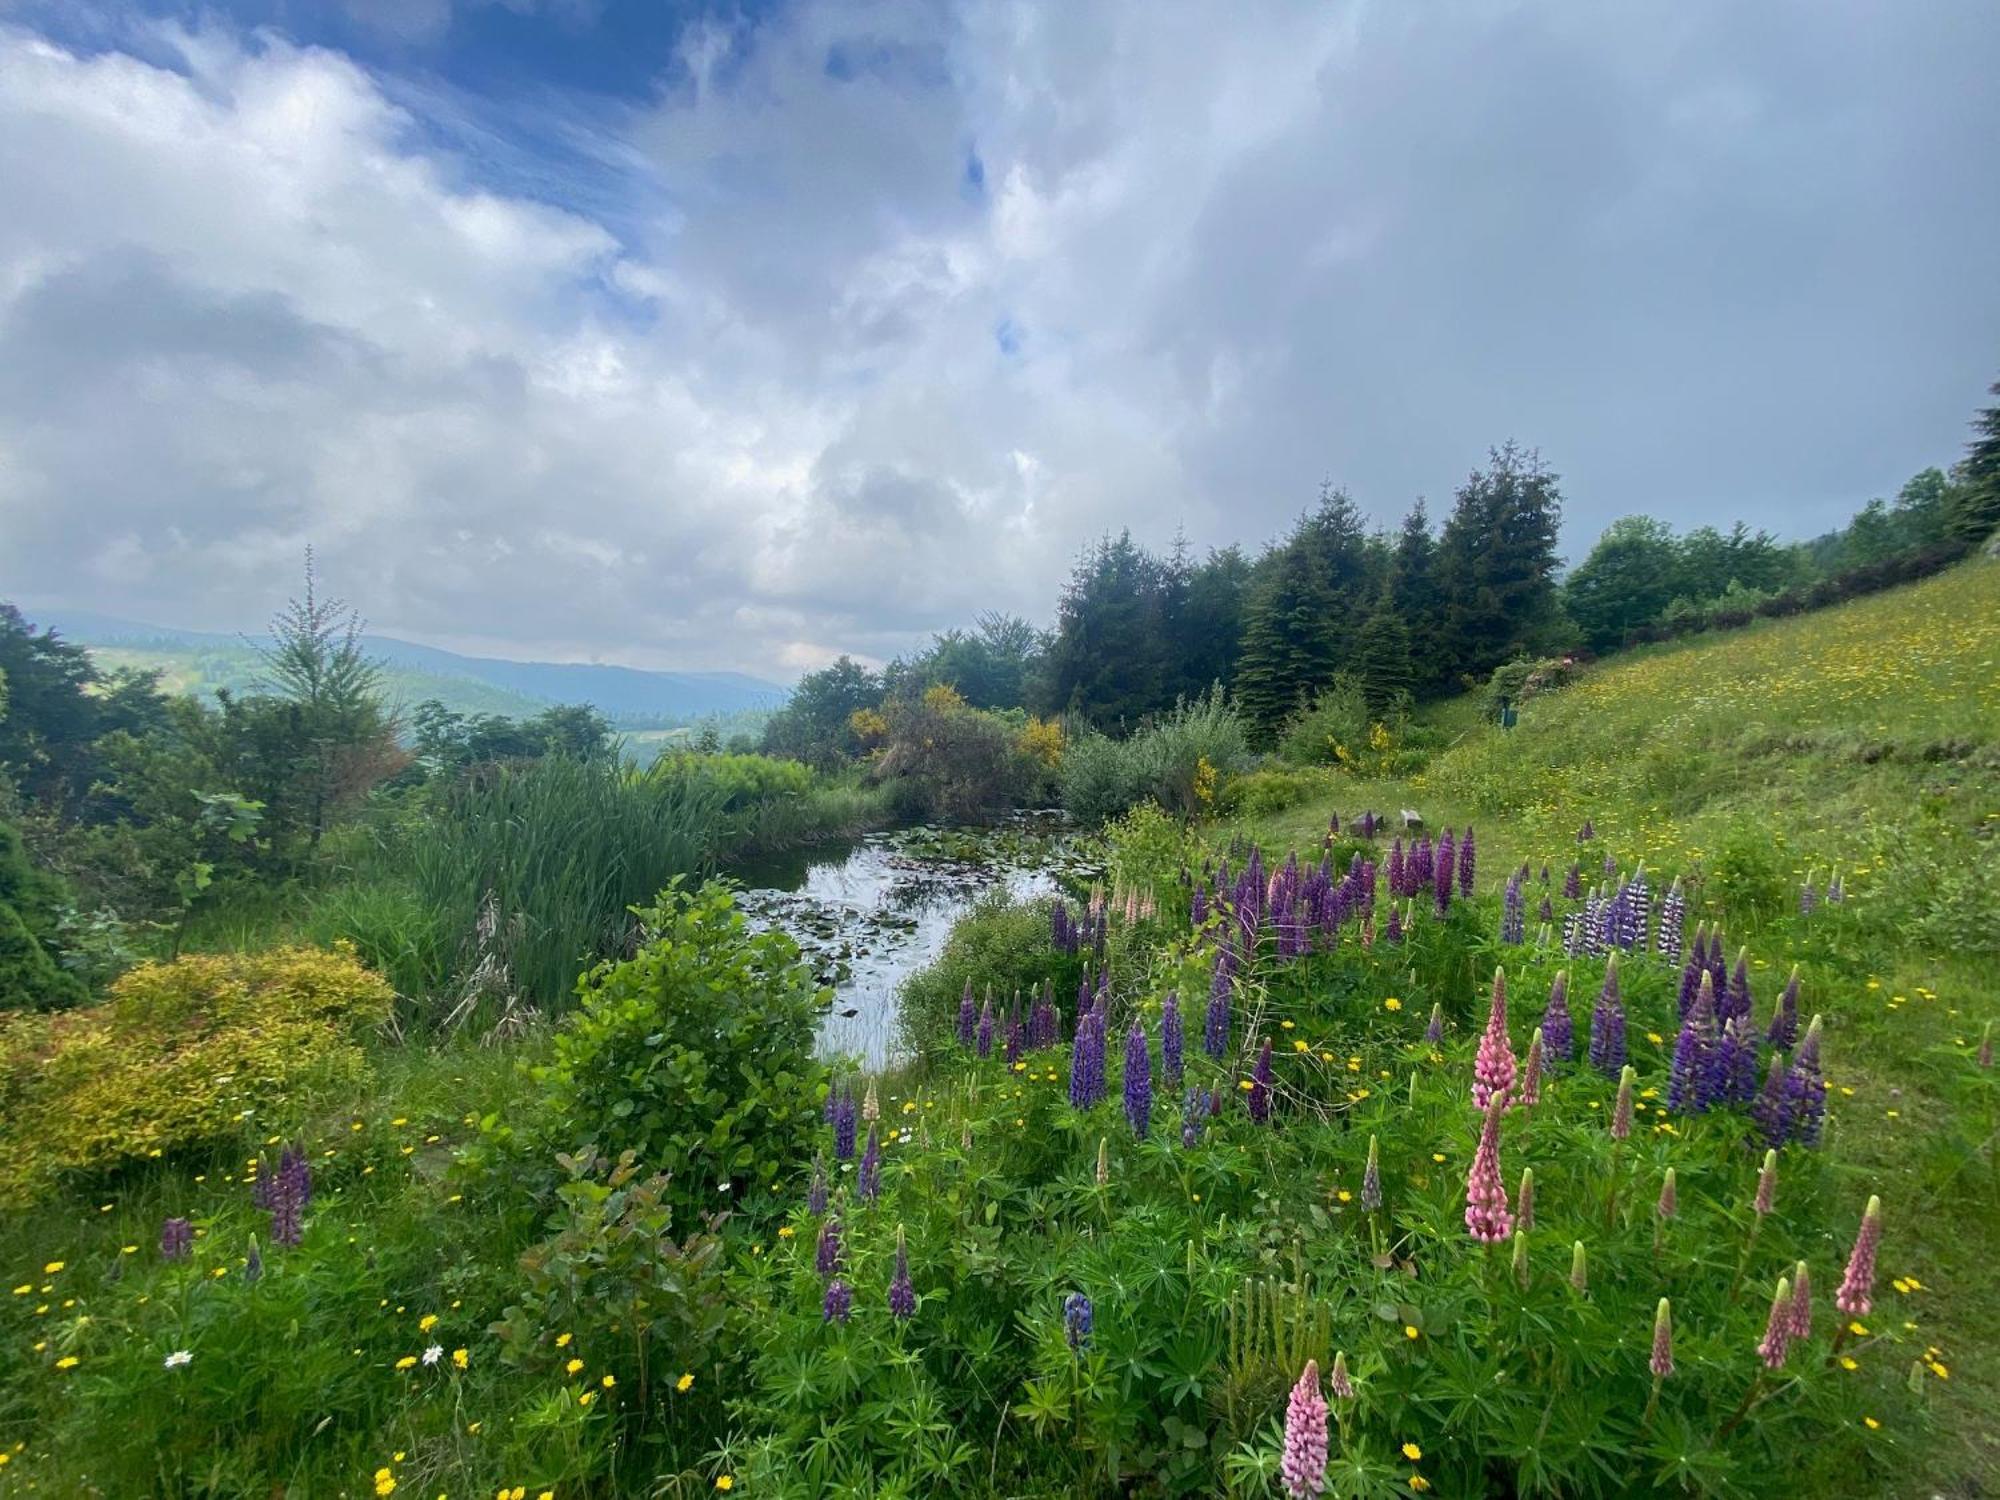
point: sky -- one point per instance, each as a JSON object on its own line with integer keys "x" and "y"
{"x": 743, "y": 336}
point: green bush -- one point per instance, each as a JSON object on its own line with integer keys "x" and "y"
{"x": 1274, "y": 789}
{"x": 1334, "y": 724}
{"x": 30, "y": 978}
{"x": 1175, "y": 762}
{"x": 695, "y": 1054}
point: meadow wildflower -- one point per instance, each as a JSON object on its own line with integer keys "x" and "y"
{"x": 1303, "y": 1466}
{"x": 902, "y": 1294}
{"x": 1487, "y": 1218}
{"x": 1138, "y": 1082}
{"x": 1662, "y": 1361}
{"x": 1856, "y": 1296}
{"x": 1078, "y": 1319}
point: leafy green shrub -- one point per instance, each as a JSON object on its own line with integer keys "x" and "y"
{"x": 695, "y": 1054}
{"x": 943, "y": 759}
{"x": 1176, "y": 762}
{"x": 176, "y": 1058}
{"x": 999, "y": 942}
{"x": 1336, "y": 721}
{"x": 30, "y": 978}
{"x": 1518, "y": 681}
{"x": 1274, "y": 789}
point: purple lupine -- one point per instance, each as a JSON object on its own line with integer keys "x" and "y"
{"x": 985, "y": 1034}
{"x": 1466, "y": 859}
{"x": 1718, "y": 965}
{"x": 1777, "y": 1339}
{"x": 1078, "y": 1319}
{"x": 1573, "y": 883}
{"x": 1441, "y": 897}
{"x": 968, "y": 1015}
{"x": 253, "y": 1263}
{"x": 1558, "y": 1029}
{"x": 1016, "y": 1037}
{"x": 1392, "y": 932}
{"x": 1513, "y": 912}
{"x": 816, "y": 1194}
{"x": 1835, "y": 891}
{"x": 1302, "y": 1466}
{"x": 1371, "y": 1180}
{"x": 826, "y": 1256}
{"x": 1684, "y": 1078}
{"x": 1434, "y": 1033}
{"x": 1086, "y": 1063}
{"x": 1672, "y": 929}
{"x": 845, "y": 1121}
{"x": 291, "y": 1191}
{"x": 1170, "y": 1041}
{"x": 838, "y": 1303}
{"x": 1857, "y": 1286}
{"x": 1199, "y": 1105}
{"x": 1138, "y": 1082}
{"x": 1547, "y": 913}
{"x": 1737, "y": 1062}
{"x": 868, "y": 1176}
{"x": 1693, "y": 970}
{"x": 1396, "y": 868}
{"x": 1586, "y": 833}
{"x": 1808, "y": 897}
{"x": 1772, "y": 1111}
{"x": 1805, "y": 1089}
{"x": 1784, "y": 1030}
{"x": 1607, "y": 1025}
{"x": 902, "y": 1293}
{"x": 1259, "y": 1096}
{"x": 1215, "y": 1035}
{"x": 1737, "y": 1001}
{"x": 176, "y": 1239}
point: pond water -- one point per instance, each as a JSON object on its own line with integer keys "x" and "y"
{"x": 870, "y": 913}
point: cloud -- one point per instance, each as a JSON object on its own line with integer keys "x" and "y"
{"x": 867, "y": 316}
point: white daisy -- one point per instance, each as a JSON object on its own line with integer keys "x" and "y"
{"x": 178, "y": 1358}
{"x": 433, "y": 1354}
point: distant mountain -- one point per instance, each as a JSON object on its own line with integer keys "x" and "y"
{"x": 631, "y": 697}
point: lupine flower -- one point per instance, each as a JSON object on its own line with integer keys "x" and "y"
{"x": 1215, "y": 1035}
{"x": 985, "y": 1034}
{"x": 1573, "y": 883}
{"x": 1199, "y": 1103}
{"x": 176, "y": 1239}
{"x": 967, "y": 1016}
{"x": 1531, "y": 1071}
{"x": 1104, "y": 1161}
{"x": 1777, "y": 1339}
{"x": 1805, "y": 1088}
{"x": 1684, "y": 1077}
{"x": 1547, "y": 913}
{"x": 869, "y": 1175}
{"x": 1737, "y": 1001}
{"x": 1486, "y": 1215}
{"x": 1371, "y": 1180}
{"x": 1016, "y": 1036}
{"x": 1621, "y": 1108}
{"x": 1856, "y": 1296}
{"x": 1670, "y": 1199}
{"x": 1138, "y": 1082}
{"x": 1662, "y": 1362}
{"x": 902, "y": 1294}
{"x": 1434, "y": 1033}
{"x": 838, "y": 1304}
{"x": 1524, "y": 1202}
{"x": 1493, "y": 1069}
{"x": 1801, "y": 1303}
{"x": 1340, "y": 1382}
{"x": 1303, "y": 1466}
{"x": 1558, "y": 1031}
{"x": 1466, "y": 859}
{"x": 1772, "y": 1111}
{"x": 1607, "y": 1025}
{"x": 1736, "y": 1062}
{"x": 844, "y": 1125}
{"x": 816, "y": 1194}
{"x": 1441, "y": 894}
{"x": 1519, "y": 1263}
{"x": 253, "y": 1263}
{"x": 1767, "y": 1186}
{"x": 1579, "y": 1267}
{"x": 826, "y": 1258}
{"x": 1259, "y": 1097}
{"x": 1170, "y": 1042}
{"x": 1396, "y": 875}
{"x": 1078, "y": 1319}
{"x": 1586, "y": 833}
{"x": 290, "y": 1190}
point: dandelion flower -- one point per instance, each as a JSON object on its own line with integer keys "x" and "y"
{"x": 684, "y": 1384}
{"x": 572, "y": 1367}
{"x": 1412, "y": 1452}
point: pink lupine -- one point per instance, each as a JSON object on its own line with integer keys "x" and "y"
{"x": 1801, "y": 1303}
{"x": 1339, "y": 1382}
{"x": 1486, "y": 1216}
{"x": 1531, "y": 1071}
{"x": 1777, "y": 1328}
{"x": 1767, "y": 1185}
{"x": 1662, "y": 1362}
{"x": 1303, "y": 1467}
{"x": 1621, "y": 1108}
{"x": 1493, "y": 1070}
{"x": 1857, "y": 1287}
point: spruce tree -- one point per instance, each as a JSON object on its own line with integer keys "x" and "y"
{"x": 1300, "y": 625}
{"x": 1975, "y": 507}
{"x": 1416, "y": 600}
{"x": 1497, "y": 562}
{"x": 1382, "y": 659}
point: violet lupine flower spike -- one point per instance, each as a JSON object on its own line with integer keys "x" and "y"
{"x": 1662, "y": 1361}
{"x": 1493, "y": 1070}
{"x": 1078, "y": 1319}
{"x": 1856, "y": 1296}
{"x": 1170, "y": 1042}
{"x": 1607, "y": 1025}
{"x": 1215, "y": 1034}
{"x": 1138, "y": 1082}
{"x": 816, "y": 1194}
{"x": 1487, "y": 1218}
{"x": 826, "y": 1257}
{"x": 1434, "y": 1033}
{"x": 845, "y": 1121}
{"x": 1558, "y": 1031}
{"x": 1777, "y": 1339}
{"x": 985, "y": 1033}
{"x": 902, "y": 1293}
{"x": 968, "y": 1016}
{"x": 1259, "y": 1096}
{"x": 1466, "y": 859}
{"x": 176, "y": 1239}
{"x": 1371, "y": 1180}
{"x": 838, "y": 1304}
{"x": 1784, "y": 1029}
{"x": 1303, "y": 1466}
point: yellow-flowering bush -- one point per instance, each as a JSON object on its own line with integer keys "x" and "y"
{"x": 178, "y": 1056}
{"x": 1041, "y": 740}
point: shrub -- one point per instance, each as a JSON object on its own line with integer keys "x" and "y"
{"x": 946, "y": 760}
{"x": 1274, "y": 789}
{"x": 695, "y": 1054}
{"x": 1330, "y": 730}
{"x": 176, "y": 1057}
{"x": 30, "y": 978}
{"x": 1177, "y": 762}
{"x": 1519, "y": 680}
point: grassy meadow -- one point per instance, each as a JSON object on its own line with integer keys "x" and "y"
{"x": 1098, "y": 1263}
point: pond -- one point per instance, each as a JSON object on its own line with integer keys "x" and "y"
{"x": 869, "y": 914}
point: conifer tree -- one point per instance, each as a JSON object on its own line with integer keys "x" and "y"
{"x": 1497, "y": 562}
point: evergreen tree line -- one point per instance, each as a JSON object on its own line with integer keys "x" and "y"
{"x": 1415, "y": 613}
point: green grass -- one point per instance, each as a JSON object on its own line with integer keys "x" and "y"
{"x": 1866, "y": 739}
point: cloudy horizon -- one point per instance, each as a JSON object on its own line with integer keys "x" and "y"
{"x": 744, "y": 337}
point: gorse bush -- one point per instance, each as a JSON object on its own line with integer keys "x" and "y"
{"x": 178, "y": 1057}
{"x": 695, "y": 1055}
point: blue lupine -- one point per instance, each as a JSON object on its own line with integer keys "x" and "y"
{"x": 1607, "y": 1026}
{"x": 1737, "y": 1001}
{"x": 838, "y": 1303}
{"x": 902, "y": 1293}
{"x": 1138, "y": 1082}
{"x": 985, "y": 1036}
{"x": 176, "y": 1239}
{"x": 1772, "y": 1111}
{"x": 1259, "y": 1097}
{"x": 1193, "y": 1114}
{"x": 1573, "y": 883}
{"x": 1078, "y": 1319}
{"x": 1215, "y": 1035}
{"x": 1738, "y": 1065}
{"x": 1807, "y": 1088}
{"x": 1086, "y": 1072}
{"x": 1684, "y": 1094}
{"x": 845, "y": 1121}
{"x": 1466, "y": 858}
{"x": 826, "y": 1255}
{"x": 1371, "y": 1181}
{"x": 1784, "y": 1030}
{"x": 1170, "y": 1041}
{"x": 816, "y": 1194}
